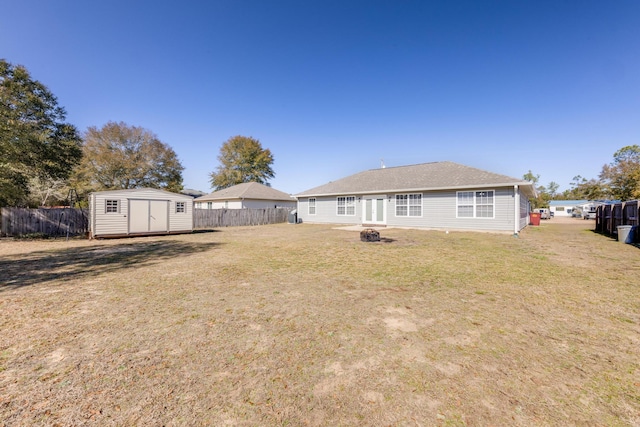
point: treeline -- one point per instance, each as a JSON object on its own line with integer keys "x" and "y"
{"x": 42, "y": 156}
{"x": 618, "y": 180}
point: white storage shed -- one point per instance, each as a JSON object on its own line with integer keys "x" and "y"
{"x": 141, "y": 211}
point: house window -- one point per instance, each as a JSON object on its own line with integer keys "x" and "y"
{"x": 180, "y": 207}
{"x": 475, "y": 204}
{"x": 347, "y": 206}
{"x": 409, "y": 204}
{"x": 226, "y": 204}
{"x": 209, "y": 205}
{"x": 484, "y": 204}
{"x": 112, "y": 206}
{"x": 312, "y": 206}
{"x": 465, "y": 204}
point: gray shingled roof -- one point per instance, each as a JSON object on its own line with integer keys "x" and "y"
{"x": 247, "y": 190}
{"x": 425, "y": 176}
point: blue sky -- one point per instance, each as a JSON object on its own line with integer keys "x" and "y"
{"x": 333, "y": 87}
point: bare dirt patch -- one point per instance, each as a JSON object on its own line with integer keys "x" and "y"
{"x": 306, "y": 325}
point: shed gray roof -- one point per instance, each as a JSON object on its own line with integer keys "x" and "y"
{"x": 421, "y": 177}
{"x": 247, "y": 190}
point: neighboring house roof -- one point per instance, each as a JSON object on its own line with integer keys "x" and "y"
{"x": 247, "y": 190}
{"x": 425, "y": 176}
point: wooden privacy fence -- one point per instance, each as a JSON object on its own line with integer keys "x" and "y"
{"x": 211, "y": 218}
{"x": 16, "y": 222}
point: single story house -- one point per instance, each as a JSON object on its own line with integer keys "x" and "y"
{"x": 248, "y": 195}
{"x": 141, "y": 211}
{"x": 440, "y": 195}
{"x": 561, "y": 208}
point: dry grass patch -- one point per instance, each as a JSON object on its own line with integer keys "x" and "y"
{"x": 306, "y": 325}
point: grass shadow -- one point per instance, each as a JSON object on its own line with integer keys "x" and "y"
{"x": 382, "y": 240}
{"x": 40, "y": 267}
{"x": 205, "y": 230}
{"x": 635, "y": 238}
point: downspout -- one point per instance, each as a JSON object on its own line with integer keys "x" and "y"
{"x": 516, "y": 210}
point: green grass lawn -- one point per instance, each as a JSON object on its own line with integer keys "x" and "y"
{"x": 306, "y": 325}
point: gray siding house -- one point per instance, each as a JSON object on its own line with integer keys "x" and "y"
{"x": 441, "y": 195}
{"x": 142, "y": 211}
{"x": 248, "y": 195}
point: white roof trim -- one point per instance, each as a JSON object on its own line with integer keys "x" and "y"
{"x": 412, "y": 190}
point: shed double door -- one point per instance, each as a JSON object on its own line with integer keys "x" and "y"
{"x": 148, "y": 216}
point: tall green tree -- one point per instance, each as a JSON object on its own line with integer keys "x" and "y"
{"x": 242, "y": 159}
{"x": 622, "y": 176}
{"x": 119, "y": 156}
{"x": 35, "y": 141}
{"x": 543, "y": 196}
{"x": 552, "y": 189}
{"x": 581, "y": 188}
{"x": 531, "y": 177}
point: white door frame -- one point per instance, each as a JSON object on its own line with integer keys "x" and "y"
{"x": 376, "y": 205}
{"x": 140, "y": 217}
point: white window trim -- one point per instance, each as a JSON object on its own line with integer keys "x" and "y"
{"x": 346, "y": 205}
{"x": 314, "y": 206}
{"x": 184, "y": 207}
{"x": 473, "y": 210}
{"x": 475, "y": 204}
{"x": 408, "y": 215}
{"x": 106, "y": 206}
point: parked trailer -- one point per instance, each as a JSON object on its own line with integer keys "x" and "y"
{"x": 544, "y": 213}
{"x": 589, "y": 211}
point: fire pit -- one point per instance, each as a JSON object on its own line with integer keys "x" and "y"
{"x": 369, "y": 235}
